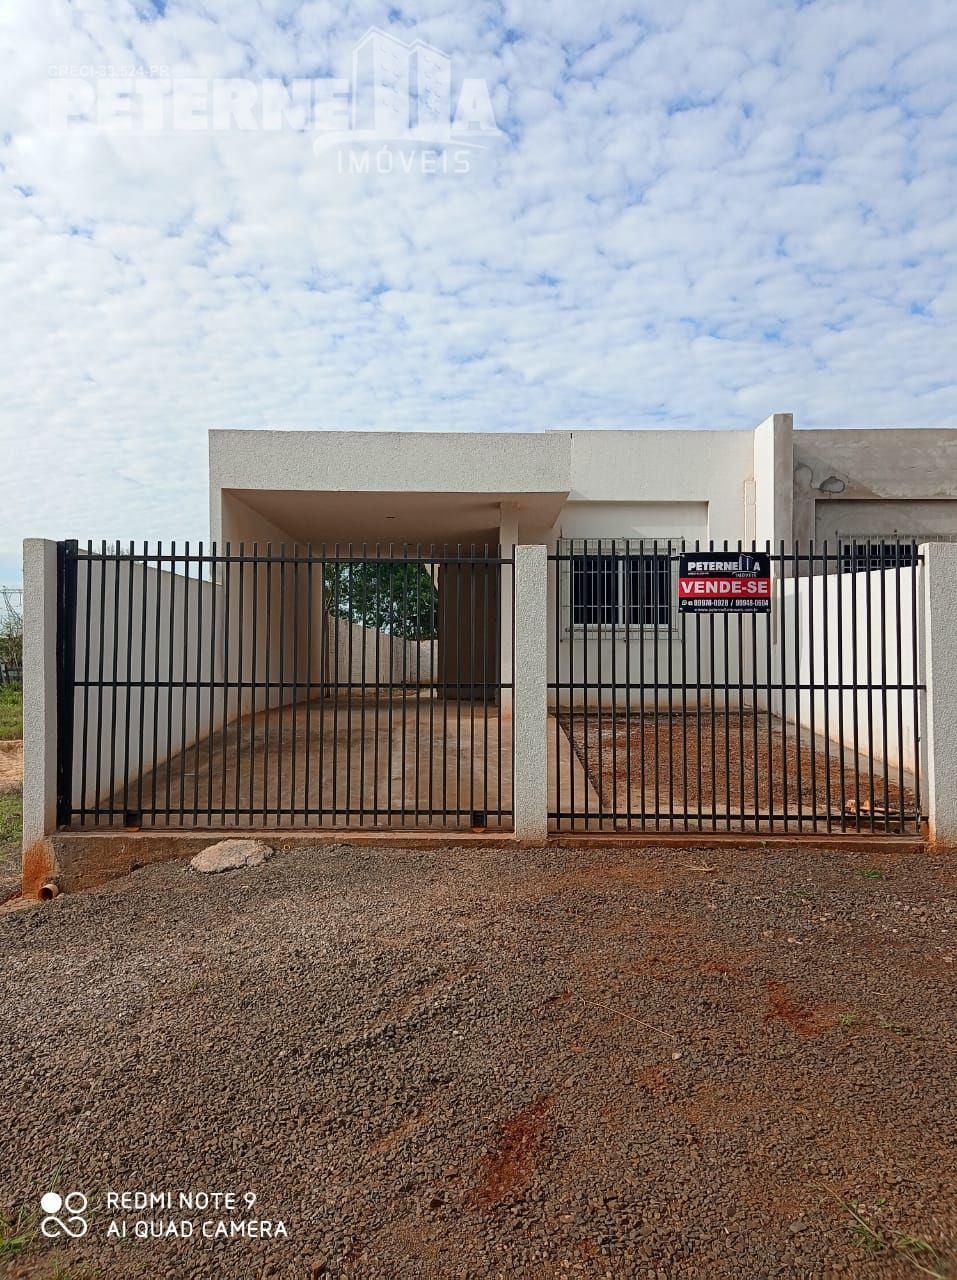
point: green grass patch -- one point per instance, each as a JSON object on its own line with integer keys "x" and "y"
{"x": 870, "y": 873}
{"x": 11, "y": 829}
{"x": 11, "y": 712}
{"x": 11, "y": 818}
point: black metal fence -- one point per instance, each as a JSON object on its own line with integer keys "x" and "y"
{"x": 256, "y": 686}
{"x": 801, "y": 716}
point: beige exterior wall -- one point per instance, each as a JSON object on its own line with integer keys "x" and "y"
{"x": 875, "y": 483}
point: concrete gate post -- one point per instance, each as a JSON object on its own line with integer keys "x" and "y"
{"x": 39, "y": 710}
{"x": 530, "y": 704}
{"x": 939, "y": 719}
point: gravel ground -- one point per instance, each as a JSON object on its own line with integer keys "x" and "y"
{"x": 482, "y": 1062}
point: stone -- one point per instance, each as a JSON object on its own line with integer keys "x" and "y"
{"x": 227, "y": 855}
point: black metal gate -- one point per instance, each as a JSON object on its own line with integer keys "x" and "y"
{"x": 800, "y": 719}
{"x": 290, "y": 687}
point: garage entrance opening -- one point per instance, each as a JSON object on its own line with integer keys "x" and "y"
{"x": 344, "y": 687}
{"x": 796, "y": 711}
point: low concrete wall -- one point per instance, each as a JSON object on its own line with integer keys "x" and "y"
{"x": 176, "y": 636}
{"x": 366, "y": 655}
{"x": 859, "y": 618}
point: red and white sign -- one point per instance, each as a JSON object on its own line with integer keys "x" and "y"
{"x": 724, "y": 582}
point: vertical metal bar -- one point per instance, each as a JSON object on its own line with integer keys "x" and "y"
{"x": 855, "y": 679}
{"x": 280, "y": 748}
{"x": 783, "y": 637}
{"x": 413, "y": 630}
{"x": 631, "y": 603}
{"x": 240, "y": 679}
{"x": 157, "y": 640}
{"x": 486, "y": 638}
{"x": 796, "y": 573}
{"x": 416, "y": 639}
{"x": 713, "y": 683}
{"x": 377, "y": 665}
{"x": 142, "y": 670}
{"x": 115, "y": 559}
{"x": 389, "y": 709}
{"x": 682, "y": 623}
{"x": 557, "y": 624}
{"x": 840, "y": 681}
{"x": 812, "y": 690}
{"x": 572, "y": 807}
{"x": 883, "y": 688}
{"x": 599, "y": 681}
{"x": 444, "y": 668}
{"x": 671, "y": 681}
{"x": 212, "y": 682}
{"x": 458, "y": 685}
{"x": 404, "y": 626}
{"x": 777, "y": 588}
{"x": 511, "y": 796}
{"x": 472, "y": 638}
{"x": 296, "y": 688}
{"x": 128, "y": 702}
{"x": 226, "y": 565}
{"x": 726, "y": 718}
{"x": 364, "y": 589}
{"x": 585, "y": 633}
{"x": 755, "y": 751}
{"x": 325, "y": 673}
{"x": 699, "y": 781}
{"x": 171, "y": 665}
{"x": 67, "y": 554}
{"x": 100, "y": 692}
{"x": 869, "y": 668}
{"x": 433, "y": 647}
{"x": 656, "y": 708}
{"x": 184, "y": 700}
{"x": 310, "y": 693}
{"x": 825, "y": 651}
{"x": 198, "y": 690}
{"x": 916, "y": 681}
{"x": 254, "y": 652}
{"x": 337, "y": 619}
{"x": 742, "y": 808}
{"x": 619, "y": 606}
{"x": 85, "y": 732}
{"x": 267, "y": 671}
{"x": 899, "y": 647}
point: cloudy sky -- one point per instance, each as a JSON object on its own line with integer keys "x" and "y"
{"x": 698, "y": 213}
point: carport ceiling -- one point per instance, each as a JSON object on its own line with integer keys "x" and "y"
{"x": 426, "y": 518}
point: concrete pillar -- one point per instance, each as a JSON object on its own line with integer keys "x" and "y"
{"x": 939, "y": 718}
{"x": 39, "y": 710}
{"x": 530, "y": 710}
{"x": 773, "y": 495}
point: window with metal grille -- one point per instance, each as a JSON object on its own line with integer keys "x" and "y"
{"x": 861, "y": 556}
{"x": 618, "y": 589}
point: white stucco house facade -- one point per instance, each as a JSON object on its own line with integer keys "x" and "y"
{"x": 590, "y": 699}
{"x": 763, "y": 484}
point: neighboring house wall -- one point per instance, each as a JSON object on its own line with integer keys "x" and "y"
{"x": 875, "y": 483}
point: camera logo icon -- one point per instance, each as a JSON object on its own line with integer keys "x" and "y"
{"x": 72, "y": 1224}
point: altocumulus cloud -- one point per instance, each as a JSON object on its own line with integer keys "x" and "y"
{"x": 699, "y": 213}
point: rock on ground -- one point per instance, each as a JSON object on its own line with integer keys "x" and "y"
{"x": 228, "y": 855}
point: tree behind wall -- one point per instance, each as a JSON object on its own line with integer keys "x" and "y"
{"x": 11, "y": 635}
{"x": 393, "y": 596}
